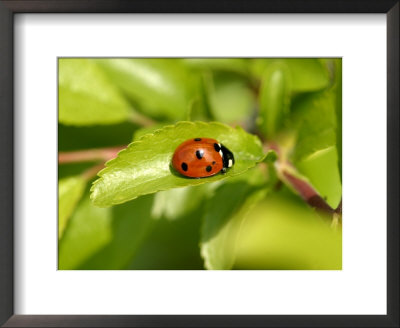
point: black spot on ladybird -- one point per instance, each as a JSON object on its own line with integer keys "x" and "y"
{"x": 184, "y": 166}
{"x": 217, "y": 147}
{"x": 197, "y": 139}
{"x": 208, "y": 168}
{"x": 199, "y": 153}
{"x": 213, "y": 163}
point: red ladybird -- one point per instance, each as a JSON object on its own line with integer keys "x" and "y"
{"x": 202, "y": 157}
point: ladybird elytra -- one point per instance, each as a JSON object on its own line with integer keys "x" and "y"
{"x": 202, "y": 157}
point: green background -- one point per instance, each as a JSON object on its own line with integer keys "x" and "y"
{"x": 280, "y": 117}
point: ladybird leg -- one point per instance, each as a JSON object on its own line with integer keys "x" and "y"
{"x": 223, "y": 170}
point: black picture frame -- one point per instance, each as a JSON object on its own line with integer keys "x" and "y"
{"x": 7, "y": 11}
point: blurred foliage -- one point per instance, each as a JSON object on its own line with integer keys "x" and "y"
{"x": 221, "y": 224}
{"x": 228, "y": 90}
{"x": 275, "y": 94}
{"x": 82, "y": 81}
{"x": 70, "y": 191}
{"x": 278, "y": 116}
{"x": 141, "y": 79}
{"x": 281, "y": 232}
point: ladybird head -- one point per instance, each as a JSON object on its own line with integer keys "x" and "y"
{"x": 227, "y": 157}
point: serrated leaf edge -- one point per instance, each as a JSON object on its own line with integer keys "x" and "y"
{"x": 158, "y": 131}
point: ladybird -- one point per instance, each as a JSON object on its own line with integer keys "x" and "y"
{"x": 202, "y": 157}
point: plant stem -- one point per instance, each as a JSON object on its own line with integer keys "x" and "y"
{"x": 307, "y": 192}
{"x": 89, "y": 155}
{"x": 288, "y": 174}
{"x": 339, "y": 208}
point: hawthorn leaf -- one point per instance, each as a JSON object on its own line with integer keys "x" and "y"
{"x": 283, "y": 233}
{"x": 237, "y": 65}
{"x": 70, "y": 191}
{"x": 144, "y": 167}
{"x": 199, "y": 108}
{"x": 105, "y": 238}
{"x": 271, "y": 156}
{"x": 338, "y": 107}
{"x": 131, "y": 224}
{"x": 161, "y": 88}
{"x": 89, "y": 229}
{"x": 86, "y": 96}
{"x": 321, "y": 169}
{"x": 314, "y": 119}
{"x": 231, "y": 100}
{"x": 224, "y": 214}
{"x": 306, "y": 74}
{"x": 274, "y": 99}
{"x": 174, "y": 203}
{"x": 171, "y": 244}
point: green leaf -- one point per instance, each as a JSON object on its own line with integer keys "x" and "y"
{"x": 86, "y": 96}
{"x": 70, "y": 191}
{"x": 145, "y": 166}
{"x": 238, "y": 65}
{"x": 89, "y": 229}
{"x": 174, "y": 203}
{"x": 315, "y": 121}
{"x": 230, "y": 98}
{"x": 306, "y": 74}
{"x": 338, "y": 108}
{"x": 282, "y": 233}
{"x": 224, "y": 214}
{"x": 131, "y": 224}
{"x": 199, "y": 109}
{"x": 171, "y": 245}
{"x": 162, "y": 88}
{"x": 274, "y": 99}
{"x": 322, "y": 171}
{"x": 271, "y": 156}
